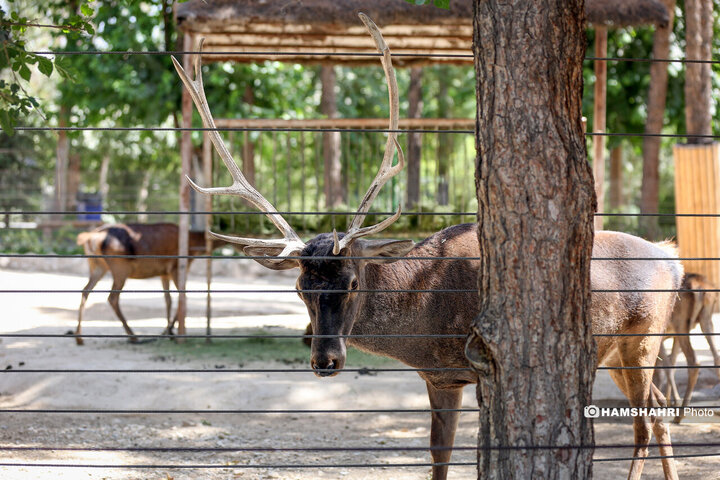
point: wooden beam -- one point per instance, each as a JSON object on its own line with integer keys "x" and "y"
{"x": 405, "y": 123}
{"x": 599, "y": 113}
{"x": 436, "y": 30}
{"x": 184, "y": 223}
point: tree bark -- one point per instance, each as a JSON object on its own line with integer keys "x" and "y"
{"x": 143, "y": 196}
{"x": 73, "y": 182}
{"x": 415, "y": 105}
{"x": 698, "y": 36}
{"x": 444, "y": 149}
{"x": 248, "y": 150}
{"x": 657, "y": 93}
{"x": 617, "y": 198}
{"x": 103, "y": 185}
{"x": 62, "y": 153}
{"x": 334, "y": 194}
{"x": 531, "y": 344}
{"x": 599, "y": 123}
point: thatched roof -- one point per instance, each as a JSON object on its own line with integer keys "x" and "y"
{"x": 327, "y": 26}
{"x": 332, "y": 26}
{"x": 626, "y": 13}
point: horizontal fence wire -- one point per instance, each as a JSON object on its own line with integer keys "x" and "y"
{"x": 310, "y": 336}
{"x": 89, "y": 411}
{"x": 363, "y": 370}
{"x": 288, "y": 411}
{"x": 316, "y": 257}
{"x": 613, "y": 446}
{"x": 332, "y": 213}
{"x": 340, "y": 130}
{"x": 283, "y": 466}
{"x": 340, "y": 291}
{"x": 343, "y": 54}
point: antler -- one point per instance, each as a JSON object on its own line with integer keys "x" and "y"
{"x": 291, "y": 243}
{"x": 387, "y": 170}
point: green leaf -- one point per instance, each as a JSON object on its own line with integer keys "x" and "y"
{"x": 6, "y": 122}
{"x": 45, "y": 66}
{"x": 442, "y": 4}
{"x": 86, "y": 10}
{"x": 25, "y": 72}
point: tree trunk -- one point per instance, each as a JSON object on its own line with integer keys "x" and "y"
{"x": 445, "y": 148}
{"x": 143, "y": 196}
{"x": 599, "y": 117}
{"x": 531, "y": 344}
{"x": 657, "y": 93}
{"x": 248, "y": 151}
{"x": 62, "y": 154}
{"x": 103, "y": 186}
{"x": 73, "y": 182}
{"x": 334, "y": 194}
{"x": 698, "y": 34}
{"x": 616, "y": 178}
{"x": 415, "y": 105}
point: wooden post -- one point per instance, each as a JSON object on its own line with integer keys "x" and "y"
{"x": 697, "y": 191}
{"x": 599, "y": 110}
{"x": 184, "y": 223}
{"x": 207, "y": 176}
{"x": 415, "y": 105}
{"x": 616, "y": 178}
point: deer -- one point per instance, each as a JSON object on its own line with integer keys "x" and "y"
{"x": 389, "y": 297}
{"x": 157, "y": 239}
{"x": 695, "y": 305}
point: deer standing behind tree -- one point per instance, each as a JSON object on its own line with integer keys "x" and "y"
{"x": 410, "y": 302}
{"x": 135, "y": 239}
{"x": 692, "y": 308}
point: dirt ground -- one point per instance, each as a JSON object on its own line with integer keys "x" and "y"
{"x": 56, "y": 313}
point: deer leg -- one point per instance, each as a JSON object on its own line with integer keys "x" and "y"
{"x": 671, "y": 391}
{"x": 637, "y": 383}
{"x": 662, "y": 435}
{"x": 96, "y": 273}
{"x": 693, "y": 373}
{"x": 114, "y": 301}
{"x": 168, "y": 303}
{"x": 707, "y": 328}
{"x": 171, "y": 323}
{"x": 443, "y": 427}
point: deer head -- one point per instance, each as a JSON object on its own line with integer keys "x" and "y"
{"x": 331, "y": 279}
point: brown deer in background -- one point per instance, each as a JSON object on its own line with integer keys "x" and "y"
{"x": 390, "y": 305}
{"x": 691, "y": 309}
{"x": 157, "y": 239}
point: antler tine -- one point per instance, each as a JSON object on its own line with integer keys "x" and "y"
{"x": 387, "y": 170}
{"x": 240, "y": 186}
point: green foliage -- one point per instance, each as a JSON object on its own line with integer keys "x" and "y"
{"x": 438, "y": 3}
{"x": 16, "y": 61}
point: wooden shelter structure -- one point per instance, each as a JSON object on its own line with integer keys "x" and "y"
{"x": 602, "y": 15}
{"x": 328, "y": 32}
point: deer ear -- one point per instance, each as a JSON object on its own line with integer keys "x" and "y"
{"x": 271, "y": 261}
{"x": 389, "y": 250}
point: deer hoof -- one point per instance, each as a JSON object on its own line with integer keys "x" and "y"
{"x": 677, "y": 419}
{"x": 79, "y": 341}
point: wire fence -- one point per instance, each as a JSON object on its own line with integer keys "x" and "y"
{"x": 6, "y": 448}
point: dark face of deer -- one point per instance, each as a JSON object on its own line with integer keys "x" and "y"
{"x": 330, "y": 313}
{"x": 333, "y": 313}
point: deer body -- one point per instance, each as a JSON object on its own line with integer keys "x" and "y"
{"x": 159, "y": 239}
{"x": 342, "y": 277}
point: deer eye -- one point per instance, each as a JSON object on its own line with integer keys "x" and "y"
{"x": 354, "y": 284}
